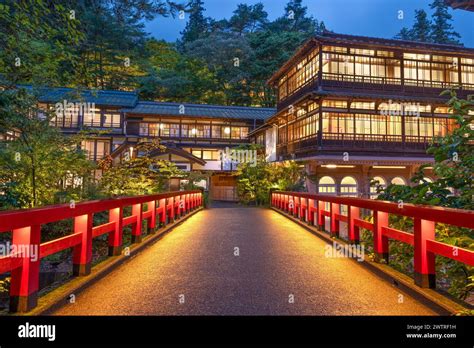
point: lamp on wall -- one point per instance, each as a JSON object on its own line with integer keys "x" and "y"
{"x": 193, "y": 131}
{"x": 227, "y": 130}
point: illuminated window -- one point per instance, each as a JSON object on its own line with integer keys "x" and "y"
{"x": 348, "y": 186}
{"x": 327, "y": 185}
{"x": 111, "y": 119}
{"x": 364, "y": 52}
{"x": 334, "y": 103}
{"x": 363, "y": 105}
{"x": 398, "y": 181}
{"x": 96, "y": 149}
{"x": 92, "y": 117}
{"x": 335, "y": 49}
{"x": 377, "y": 181}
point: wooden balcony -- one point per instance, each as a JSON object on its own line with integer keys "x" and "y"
{"x": 356, "y": 144}
{"x": 375, "y": 87}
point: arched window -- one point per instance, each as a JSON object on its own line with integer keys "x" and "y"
{"x": 348, "y": 186}
{"x": 429, "y": 180}
{"x": 373, "y": 188}
{"x": 327, "y": 185}
{"x": 398, "y": 181}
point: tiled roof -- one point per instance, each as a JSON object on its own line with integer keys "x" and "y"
{"x": 394, "y": 43}
{"x": 99, "y": 97}
{"x": 328, "y": 37}
{"x": 201, "y": 110}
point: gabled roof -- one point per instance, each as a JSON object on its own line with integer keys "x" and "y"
{"x": 328, "y": 37}
{"x": 99, "y": 97}
{"x": 200, "y": 110}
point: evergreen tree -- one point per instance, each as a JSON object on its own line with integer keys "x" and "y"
{"x": 422, "y": 28}
{"x": 197, "y": 24}
{"x": 248, "y": 18}
{"x": 442, "y": 31}
{"x": 404, "y": 34}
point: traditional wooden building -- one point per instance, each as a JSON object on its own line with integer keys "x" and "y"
{"x": 358, "y": 108}
{"x": 194, "y": 135}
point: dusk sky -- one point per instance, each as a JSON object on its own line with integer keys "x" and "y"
{"x": 358, "y": 17}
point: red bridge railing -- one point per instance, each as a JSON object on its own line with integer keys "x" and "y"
{"x": 26, "y": 228}
{"x": 312, "y": 209}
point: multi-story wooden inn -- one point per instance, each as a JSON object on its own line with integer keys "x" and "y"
{"x": 194, "y": 135}
{"x": 359, "y": 108}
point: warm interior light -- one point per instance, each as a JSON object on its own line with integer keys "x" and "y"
{"x": 162, "y": 125}
{"x": 332, "y": 166}
{"x": 389, "y": 167}
{"x": 193, "y": 131}
{"x": 227, "y": 130}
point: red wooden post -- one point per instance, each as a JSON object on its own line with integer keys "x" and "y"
{"x": 25, "y": 279}
{"x": 311, "y": 211}
{"x": 151, "y": 224}
{"x": 320, "y": 215}
{"x": 115, "y": 237}
{"x": 171, "y": 208}
{"x": 82, "y": 253}
{"x": 186, "y": 203}
{"x": 302, "y": 213}
{"x": 287, "y": 203}
{"x": 424, "y": 261}
{"x": 334, "y": 209}
{"x": 163, "y": 211}
{"x": 137, "y": 226}
{"x": 380, "y": 241}
{"x": 352, "y": 229}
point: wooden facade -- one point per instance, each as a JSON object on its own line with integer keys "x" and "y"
{"x": 347, "y": 104}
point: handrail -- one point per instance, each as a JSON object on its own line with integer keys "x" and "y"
{"x": 25, "y": 224}
{"x": 311, "y": 208}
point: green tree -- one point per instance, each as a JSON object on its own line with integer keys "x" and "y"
{"x": 404, "y": 34}
{"x": 442, "y": 30}
{"x": 197, "y": 25}
{"x": 143, "y": 174}
{"x": 38, "y": 40}
{"x": 453, "y": 187}
{"x": 248, "y": 18}
{"x": 41, "y": 166}
{"x": 422, "y": 28}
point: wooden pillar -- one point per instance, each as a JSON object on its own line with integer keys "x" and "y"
{"x": 25, "y": 279}
{"x": 82, "y": 253}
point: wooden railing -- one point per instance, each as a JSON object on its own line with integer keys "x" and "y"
{"x": 27, "y": 250}
{"x": 311, "y": 208}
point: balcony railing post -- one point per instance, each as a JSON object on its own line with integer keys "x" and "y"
{"x": 353, "y": 230}
{"x": 424, "y": 261}
{"x": 171, "y": 209}
{"x": 115, "y": 237}
{"x": 303, "y": 210}
{"x": 186, "y": 202}
{"x": 311, "y": 211}
{"x": 137, "y": 226}
{"x": 335, "y": 209}
{"x": 25, "y": 279}
{"x": 82, "y": 253}
{"x": 321, "y": 219}
{"x": 151, "y": 224}
{"x": 163, "y": 211}
{"x": 380, "y": 241}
